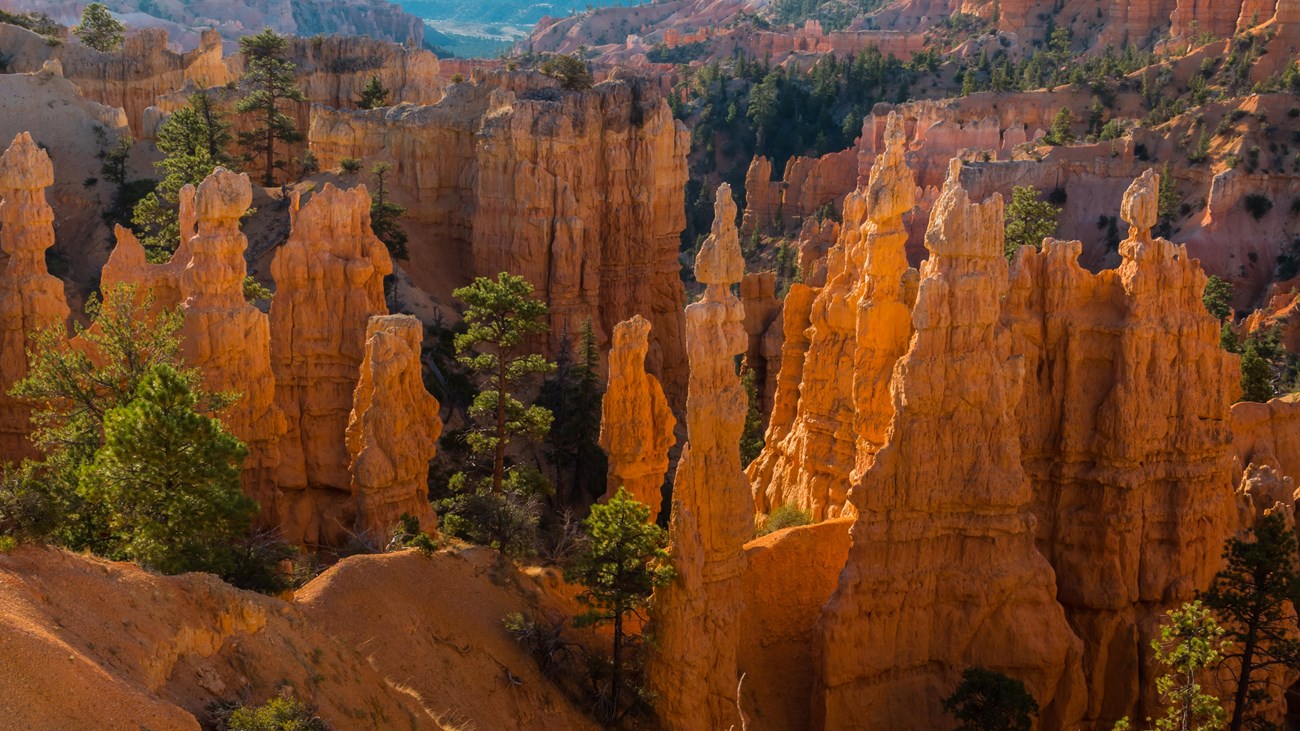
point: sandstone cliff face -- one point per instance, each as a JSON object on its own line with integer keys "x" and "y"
{"x": 943, "y": 572}
{"x": 859, "y": 317}
{"x": 636, "y": 424}
{"x": 393, "y": 430}
{"x": 224, "y": 337}
{"x": 132, "y": 78}
{"x": 696, "y": 619}
{"x": 1126, "y": 437}
{"x": 578, "y": 192}
{"x": 329, "y": 280}
{"x": 31, "y": 299}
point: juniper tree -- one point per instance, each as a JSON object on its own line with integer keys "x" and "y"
{"x": 384, "y": 213}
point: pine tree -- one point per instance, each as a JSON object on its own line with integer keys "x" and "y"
{"x": 73, "y": 387}
{"x": 573, "y": 394}
{"x": 1190, "y": 642}
{"x": 170, "y": 477}
{"x": 270, "y": 79}
{"x": 374, "y": 95}
{"x": 99, "y": 29}
{"x": 1059, "y": 133}
{"x": 1252, "y": 598}
{"x": 751, "y": 438}
{"x": 987, "y": 700}
{"x": 1028, "y": 220}
{"x": 195, "y": 140}
{"x": 502, "y": 315}
{"x": 384, "y": 214}
{"x": 1256, "y": 375}
{"x": 1217, "y": 297}
{"x": 624, "y": 561}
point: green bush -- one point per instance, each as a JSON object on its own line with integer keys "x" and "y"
{"x": 350, "y": 165}
{"x": 785, "y": 516}
{"x": 281, "y": 713}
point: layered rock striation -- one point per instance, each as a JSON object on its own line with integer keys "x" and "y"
{"x": 224, "y": 337}
{"x": 696, "y": 620}
{"x": 636, "y": 424}
{"x": 31, "y": 299}
{"x": 943, "y": 572}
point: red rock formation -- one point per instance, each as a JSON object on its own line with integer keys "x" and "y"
{"x": 329, "y": 280}
{"x": 636, "y": 425}
{"x": 1126, "y": 438}
{"x": 796, "y": 311}
{"x": 393, "y": 430}
{"x": 857, "y": 309}
{"x": 30, "y": 298}
{"x": 884, "y": 322}
{"x": 578, "y": 192}
{"x": 943, "y": 573}
{"x": 696, "y": 619}
{"x": 224, "y": 337}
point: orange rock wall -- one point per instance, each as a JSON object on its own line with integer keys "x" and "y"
{"x": 578, "y": 192}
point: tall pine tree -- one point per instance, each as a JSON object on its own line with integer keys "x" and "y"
{"x": 271, "y": 83}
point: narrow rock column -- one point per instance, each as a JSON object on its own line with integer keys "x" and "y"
{"x": 393, "y": 430}
{"x": 694, "y": 667}
{"x": 884, "y": 323}
{"x": 943, "y": 573}
{"x": 636, "y": 424}
{"x": 223, "y": 336}
{"x": 30, "y": 297}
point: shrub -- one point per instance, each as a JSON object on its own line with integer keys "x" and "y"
{"x": 785, "y": 516}
{"x": 572, "y": 71}
{"x": 987, "y": 700}
{"x": 1257, "y": 205}
{"x": 280, "y": 713}
{"x": 350, "y": 165}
